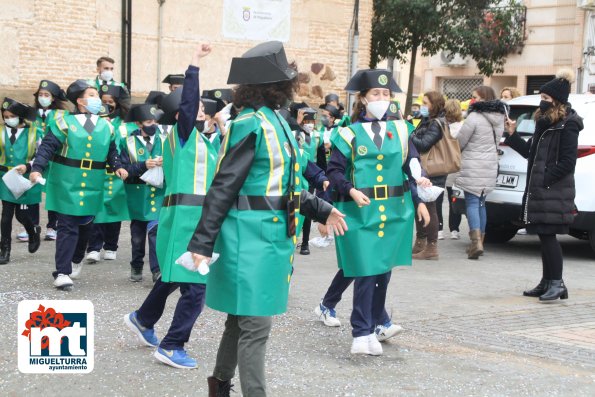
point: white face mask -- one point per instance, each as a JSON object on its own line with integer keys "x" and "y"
{"x": 308, "y": 128}
{"x": 377, "y": 108}
{"x": 12, "y": 122}
{"x": 107, "y": 75}
{"x": 44, "y": 101}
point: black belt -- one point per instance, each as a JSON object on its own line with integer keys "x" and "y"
{"x": 5, "y": 168}
{"x": 84, "y": 164}
{"x": 378, "y": 192}
{"x": 193, "y": 200}
{"x": 261, "y": 203}
{"x": 134, "y": 180}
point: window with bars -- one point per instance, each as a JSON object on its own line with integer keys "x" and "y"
{"x": 460, "y": 88}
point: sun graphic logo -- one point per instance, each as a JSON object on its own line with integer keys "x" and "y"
{"x": 56, "y": 336}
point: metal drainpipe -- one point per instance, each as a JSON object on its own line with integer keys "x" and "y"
{"x": 159, "y": 34}
{"x": 129, "y": 47}
{"x": 353, "y": 50}
{"x": 123, "y": 44}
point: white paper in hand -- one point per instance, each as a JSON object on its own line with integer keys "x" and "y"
{"x": 154, "y": 177}
{"x": 16, "y": 183}
{"x": 429, "y": 194}
{"x": 187, "y": 261}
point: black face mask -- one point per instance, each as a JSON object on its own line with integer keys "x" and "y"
{"x": 200, "y": 125}
{"x": 150, "y": 130}
{"x": 544, "y": 106}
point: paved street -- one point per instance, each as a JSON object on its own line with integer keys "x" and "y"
{"x": 468, "y": 330}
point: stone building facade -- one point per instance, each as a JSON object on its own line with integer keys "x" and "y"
{"x": 60, "y": 40}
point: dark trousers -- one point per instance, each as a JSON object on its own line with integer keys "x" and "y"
{"x": 52, "y": 220}
{"x": 431, "y": 231}
{"x": 104, "y": 235}
{"x": 33, "y": 210}
{"x": 439, "y": 202}
{"x": 10, "y": 210}
{"x": 369, "y": 297}
{"x": 188, "y": 308}
{"x": 454, "y": 219}
{"x": 243, "y": 345}
{"x": 335, "y": 292}
{"x": 73, "y": 236}
{"x": 551, "y": 257}
{"x": 307, "y": 225}
{"x": 138, "y": 232}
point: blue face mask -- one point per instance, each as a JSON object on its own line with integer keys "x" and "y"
{"x": 93, "y": 105}
{"x": 424, "y": 111}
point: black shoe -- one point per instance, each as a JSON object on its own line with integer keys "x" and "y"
{"x": 219, "y": 388}
{"x": 156, "y": 276}
{"x": 35, "y": 240}
{"x": 538, "y": 290}
{"x": 556, "y": 290}
{"x": 136, "y": 275}
{"x": 4, "y": 252}
{"x": 305, "y": 250}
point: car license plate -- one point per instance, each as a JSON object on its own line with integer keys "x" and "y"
{"x": 507, "y": 180}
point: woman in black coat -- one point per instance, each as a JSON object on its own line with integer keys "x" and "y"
{"x": 548, "y": 202}
{"x": 426, "y": 135}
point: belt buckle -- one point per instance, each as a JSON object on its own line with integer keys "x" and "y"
{"x": 383, "y": 189}
{"x": 108, "y": 170}
{"x": 297, "y": 203}
{"x": 85, "y": 167}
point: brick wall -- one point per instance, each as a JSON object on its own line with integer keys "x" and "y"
{"x": 61, "y": 40}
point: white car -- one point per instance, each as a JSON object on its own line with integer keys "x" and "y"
{"x": 504, "y": 203}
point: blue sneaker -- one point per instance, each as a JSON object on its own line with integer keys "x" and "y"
{"x": 175, "y": 358}
{"x": 146, "y": 335}
{"x": 327, "y": 315}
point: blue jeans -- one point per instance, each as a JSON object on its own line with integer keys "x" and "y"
{"x": 476, "y": 211}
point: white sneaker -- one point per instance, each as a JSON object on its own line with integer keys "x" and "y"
{"x": 77, "y": 268}
{"x": 440, "y": 235}
{"x": 374, "y": 347}
{"x": 383, "y": 332}
{"x": 50, "y": 234}
{"x": 108, "y": 255}
{"x": 454, "y": 235}
{"x": 319, "y": 242}
{"x": 23, "y": 237}
{"x": 62, "y": 281}
{"x": 93, "y": 257}
{"x": 522, "y": 232}
{"x": 327, "y": 316}
{"x": 361, "y": 345}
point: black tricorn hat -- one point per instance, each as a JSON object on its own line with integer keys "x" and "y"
{"x": 143, "y": 112}
{"x": 393, "y": 109}
{"x": 18, "y": 108}
{"x": 210, "y": 106}
{"x": 155, "y": 97}
{"x": 76, "y": 89}
{"x": 332, "y": 110}
{"x": 174, "y": 79}
{"x": 265, "y": 63}
{"x": 366, "y": 79}
{"x": 331, "y": 97}
{"x": 295, "y": 106}
{"x": 52, "y": 88}
{"x": 114, "y": 90}
{"x": 222, "y": 96}
{"x": 170, "y": 104}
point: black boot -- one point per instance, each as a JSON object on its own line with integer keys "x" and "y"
{"x": 305, "y": 250}
{"x": 4, "y": 252}
{"x": 539, "y": 289}
{"x": 556, "y": 290}
{"x": 219, "y": 388}
{"x": 34, "y": 239}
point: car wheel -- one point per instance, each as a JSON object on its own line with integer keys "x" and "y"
{"x": 592, "y": 239}
{"x": 499, "y": 235}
